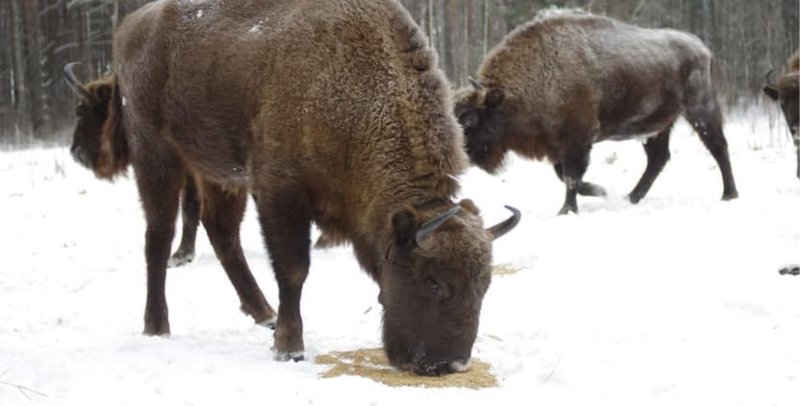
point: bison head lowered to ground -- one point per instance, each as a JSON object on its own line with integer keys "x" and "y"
{"x": 785, "y": 91}
{"x": 556, "y": 85}
{"x": 328, "y": 112}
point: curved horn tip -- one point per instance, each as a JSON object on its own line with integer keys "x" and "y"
{"x": 770, "y": 78}
{"x": 507, "y": 225}
{"x": 75, "y": 84}
{"x": 475, "y": 83}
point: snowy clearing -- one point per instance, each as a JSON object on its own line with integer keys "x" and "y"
{"x": 675, "y": 301}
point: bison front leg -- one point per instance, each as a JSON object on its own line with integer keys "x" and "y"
{"x": 585, "y": 188}
{"x": 159, "y": 184}
{"x": 574, "y": 164}
{"x": 286, "y": 224}
{"x": 222, "y": 218}
{"x": 190, "y": 217}
{"x": 657, "y": 150}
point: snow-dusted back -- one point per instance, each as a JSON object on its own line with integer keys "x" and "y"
{"x": 675, "y": 301}
{"x": 554, "y": 11}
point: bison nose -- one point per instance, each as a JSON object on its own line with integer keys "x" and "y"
{"x": 459, "y": 365}
{"x": 79, "y": 155}
{"x": 436, "y": 368}
{"x": 75, "y": 150}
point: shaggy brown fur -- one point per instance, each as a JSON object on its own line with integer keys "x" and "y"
{"x": 329, "y": 112}
{"x": 786, "y": 93}
{"x": 556, "y": 85}
{"x": 99, "y": 137}
{"x": 100, "y": 143}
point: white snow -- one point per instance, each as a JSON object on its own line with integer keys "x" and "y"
{"x": 257, "y": 28}
{"x": 675, "y": 301}
{"x": 555, "y": 11}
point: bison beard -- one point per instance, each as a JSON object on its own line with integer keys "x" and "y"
{"x": 558, "y": 84}
{"x": 333, "y": 113}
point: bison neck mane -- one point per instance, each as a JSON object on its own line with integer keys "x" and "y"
{"x": 113, "y": 154}
{"x": 415, "y": 146}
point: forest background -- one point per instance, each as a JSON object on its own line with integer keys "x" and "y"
{"x": 38, "y": 37}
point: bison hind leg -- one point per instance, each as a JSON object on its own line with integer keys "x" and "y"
{"x": 702, "y": 111}
{"x": 190, "y": 216}
{"x": 590, "y": 189}
{"x": 223, "y": 210}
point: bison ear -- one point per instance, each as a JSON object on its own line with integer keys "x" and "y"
{"x": 469, "y": 119}
{"x": 771, "y": 92}
{"x": 494, "y": 97}
{"x": 404, "y": 227}
{"x": 102, "y": 92}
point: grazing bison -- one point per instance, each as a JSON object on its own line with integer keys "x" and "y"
{"x": 785, "y": 91}
{"x": 328, "y": 112}
{"x": 556, "y": 85}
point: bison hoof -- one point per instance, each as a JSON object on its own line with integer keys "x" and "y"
{"x": 790, "y": 270}
{"x": 156, "y": 329}
{"x": 295, "y": 356}
{"x": 634, "y": 198}
{"x": 268, "y": 323}
{"x": 730, "y": 195}
{"x": 567, "y": 209}
{"x": 180, "y": 258}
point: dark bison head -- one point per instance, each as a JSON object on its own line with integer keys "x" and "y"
{"x": 785, "y": 92}
{"x": 479, "y": 112}
{"x": 98, "y": 142}
{"x": 433, "y": 280}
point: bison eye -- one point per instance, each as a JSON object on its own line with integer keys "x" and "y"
{"x": 468, "y": 119}
{"x": 432, "y": 286}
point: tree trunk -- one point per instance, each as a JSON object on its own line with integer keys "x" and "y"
{"x": 21, "y": 96}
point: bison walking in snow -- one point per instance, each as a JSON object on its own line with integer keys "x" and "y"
{"x": 558, "y": 84}
{"x": 328, "y": 112}
{"x": 785, "y": 91}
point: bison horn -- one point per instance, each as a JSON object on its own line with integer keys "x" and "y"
{"x": 770, "y": 79}
{"x": 475, "y": 84}
{"x": 75, "y": 85}
{"x": 427, "y": 228}
{"x": 500, "y": 229}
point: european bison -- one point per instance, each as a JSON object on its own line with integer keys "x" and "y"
{"x": 786, "y": 93}
{"x": 328, "y": 112}
{"x": 557, "y": 85}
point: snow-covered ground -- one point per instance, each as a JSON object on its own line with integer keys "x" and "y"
{"x": 675, "y": 301}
